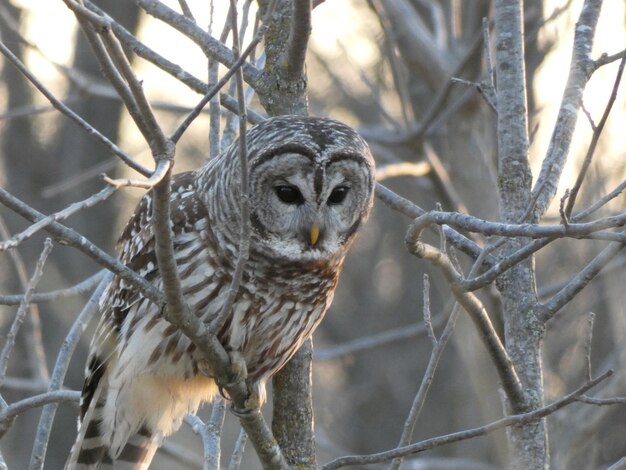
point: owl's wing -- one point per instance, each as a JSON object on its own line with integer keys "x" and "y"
{"x": 136, "y": 246}
{"x": 120, "y": 299}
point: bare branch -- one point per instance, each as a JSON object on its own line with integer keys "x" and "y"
{"x": 71, "y": 114}
{"x": 603, "y": 401}
{"x": 214, "y": 426}
{"x": 33, "y": 335}
{"x": 429, "y": 374}
{"x": 512, "y": 420}
{"x": 22, "y": 310}
{"x": 240, "y": 445}
{"x": 300, "y": 30}
{"x": 391, "y": 336}
{"x": 239, "y": 60}
{"x": 210, "y": 46}
{"x": 593, "y": 229}
{"x": 602, "y": 201}
{"x": 597, "y": 131}
{"x": 581, "y": 68}
{"x": 579, "y": 281}
{"x": 475, "y": 309}
{"x": 244, "y": 230}
{"x": 61, "y": 215}
{"x": 162, "y": 167}
{"x": 605, "y": 59}
{"x": 409, "y": 209}
{"x": 44, "y": 428}
{"x": 588, "y": 341}
{"x": 76, "y": 290}
{"x": 59, "y": 396}
{"x": 67, "y": 236}
{"x": 186, "y": 10}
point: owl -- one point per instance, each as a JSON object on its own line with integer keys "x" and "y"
{"x": 311, "y": 186}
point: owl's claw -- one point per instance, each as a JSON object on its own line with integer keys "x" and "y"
{"x": 252, "y": 405}
{"x": 237, "y": 373}
{"x": 245, "y": 412}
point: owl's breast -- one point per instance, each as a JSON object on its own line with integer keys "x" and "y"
{"x": 271, "y": 320}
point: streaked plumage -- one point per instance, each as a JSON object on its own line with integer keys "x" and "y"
{"x": 311, "y": 186}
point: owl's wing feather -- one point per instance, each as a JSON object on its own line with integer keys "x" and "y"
{"x": 137, "y": 250}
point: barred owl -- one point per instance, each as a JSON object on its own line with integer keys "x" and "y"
{"x": 311, "y": 183}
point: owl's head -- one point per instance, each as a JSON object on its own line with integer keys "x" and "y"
{"x": 311, "y": 187}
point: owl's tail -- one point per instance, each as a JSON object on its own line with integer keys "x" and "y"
{"x": 92, "y": 449}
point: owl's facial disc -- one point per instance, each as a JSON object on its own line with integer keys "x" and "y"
{"x": 306, "y": 208}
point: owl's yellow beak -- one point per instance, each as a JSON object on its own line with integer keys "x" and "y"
{"x": 314, "y": 234}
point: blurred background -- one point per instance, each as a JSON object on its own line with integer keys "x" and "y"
{"x": 383, "y": 66}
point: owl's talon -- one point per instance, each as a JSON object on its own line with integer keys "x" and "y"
{"x": 237, "y": 373}
{"x": 245, "y": 412}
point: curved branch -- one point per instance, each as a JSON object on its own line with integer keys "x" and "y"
{"x": 78, "y": 289}
{"x": 472, "y": 305}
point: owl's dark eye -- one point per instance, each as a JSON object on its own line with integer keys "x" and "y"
{"x": 338, "y": 195}
{"x": 289, "y": 194}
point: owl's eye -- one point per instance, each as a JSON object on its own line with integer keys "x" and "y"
{"x": 289, "y": 194}
{"x": 338, "y": 195}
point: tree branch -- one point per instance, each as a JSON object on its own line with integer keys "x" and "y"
{"x": 295, "y": 54}
{"x": 512, "y": 420}
{"x": 67, "y": 236}
{"x": 210, "y": 46}
{"x": 38, "y": 456}
{"x": 597, "y": 131}
{"x": 581, "y": 68}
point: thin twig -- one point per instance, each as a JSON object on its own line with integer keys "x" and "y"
{"x": 244, "y": 233}
{"x": 212, "y": 454}
{"x": 163, "y": 166}
{"x": 588, "y": 341}
{"x": 603, "y": 401}
{"x": 411, "y": 210}
{"x": 35, "y": 352}
{"x": 67, "y": 236}
{"x": 71, "y": 114}
{"x": 426, "y": 311}
{"x": 472, "y": 305}
{"x": 210, "y": 46}
{"x": 572, "y": 230}
{"x": 579, "y": 281}
{"x": 76, "y": 290}
{"x": 601, "y": 202}
{"x": 240, "y": 446}
{"x": 32, "y": 229}
{"x": 22, "y": 310}
{"x": 429, "y": 374}
{"x": 61, "y": 366}
{"x": 59, "y": 396}
{"x": 512, "y": 420}
{"x": 236, "y": 67}
{"x": 391, "y": 336}
{"x": 186, "y": 10}
{"x": 597, "y": 131}
{"x": 581, "y": 68}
